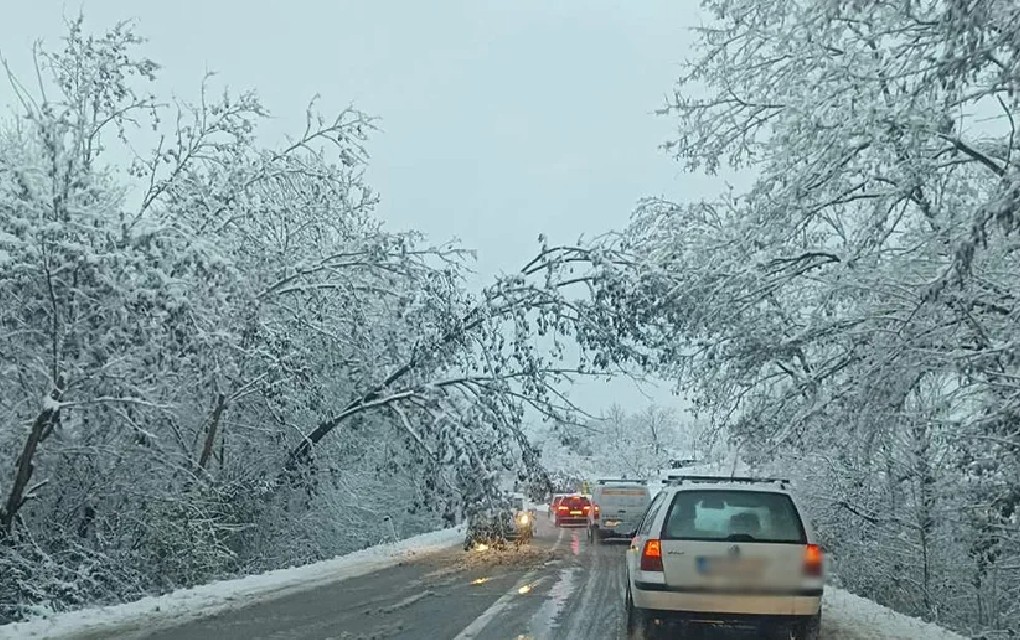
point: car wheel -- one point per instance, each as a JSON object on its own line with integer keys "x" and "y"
{"x": 639, "y": 627}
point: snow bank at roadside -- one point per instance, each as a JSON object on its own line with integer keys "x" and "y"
{"x": 846, "y": 616}
{"x": 153, "y": 612}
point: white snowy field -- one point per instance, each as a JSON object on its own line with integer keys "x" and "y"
{"x": 198, "y": 602}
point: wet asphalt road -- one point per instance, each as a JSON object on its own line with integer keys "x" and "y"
{"x": 558, "y": 588}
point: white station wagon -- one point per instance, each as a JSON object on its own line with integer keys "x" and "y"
{"x": 725, "y": 551}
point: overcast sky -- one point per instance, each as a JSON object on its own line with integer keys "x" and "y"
{"x": 500, "y": 119}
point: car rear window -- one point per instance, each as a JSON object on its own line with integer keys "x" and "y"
{"x": 623, "y": 496}
{"x": 575, "y": 502}
{"x": 734, "y": 516}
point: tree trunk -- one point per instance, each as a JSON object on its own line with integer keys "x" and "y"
{"x": 925, "y": 506}
{"x": 210, "y": 434}
{"x": 42, "y": 426}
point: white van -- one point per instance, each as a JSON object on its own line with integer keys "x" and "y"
{"x": 617, "y": 507}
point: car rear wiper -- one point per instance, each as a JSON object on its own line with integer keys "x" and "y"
{"x": 741, "y": 537}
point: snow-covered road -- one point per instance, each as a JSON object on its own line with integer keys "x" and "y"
{"x": 560, "y": 588}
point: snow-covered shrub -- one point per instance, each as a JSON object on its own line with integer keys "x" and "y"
{"x": 61, "y": 573}
{"x": 186, "y": 539}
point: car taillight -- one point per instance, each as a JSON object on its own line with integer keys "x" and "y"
{"x": 812, "y": 560}
{"x": 563, "y": 507}
{"x": 651, "y": 555}
{"x": 596, "y": 511}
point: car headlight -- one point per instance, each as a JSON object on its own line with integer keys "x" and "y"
{"x": 524, "y": 518}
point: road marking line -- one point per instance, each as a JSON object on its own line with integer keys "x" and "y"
{"x": 482, "y": 621}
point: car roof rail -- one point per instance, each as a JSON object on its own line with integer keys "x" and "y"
{"x": 675, "y": 480}
{"x": 603, "y": 481}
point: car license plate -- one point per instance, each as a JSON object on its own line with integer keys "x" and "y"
{"x": 612, "y": 523}
{"x": 576, "y": 513}
{"x": 729, "y": 567}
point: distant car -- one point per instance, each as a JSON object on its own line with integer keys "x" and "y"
{"x": 524, "y": 516}
{"x": 725, "y": 550}
{"x": 572, "y": 510}
{"x": 524, "y": 521}
{"x": 617, "y": 508}
{"x": 555, "y": 503}
{"x": 498, "y": 527}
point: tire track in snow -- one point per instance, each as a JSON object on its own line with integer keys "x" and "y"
{"x": 586, "y": 601}
{"x": 597, "y": 611}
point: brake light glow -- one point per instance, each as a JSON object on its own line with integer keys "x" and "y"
{"x": 563, "y": 507}
{"x": 813, "y": 560}
{"x": 651, "y": 555}
{"x": 596, "y": 511}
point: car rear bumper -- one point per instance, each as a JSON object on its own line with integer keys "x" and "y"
{"x": 571, "y": 520}
{"x": 723, "y": 605}
{"x": 622, "y": 530}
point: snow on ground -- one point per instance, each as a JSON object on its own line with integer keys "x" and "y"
{"x": 849, "y": 617}
{"x": 155, "y": 612}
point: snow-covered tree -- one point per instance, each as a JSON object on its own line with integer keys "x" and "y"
{"x": 855, "y": 310}
{"x": 215, "y": 357}
{"x": 635, "y": 444}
